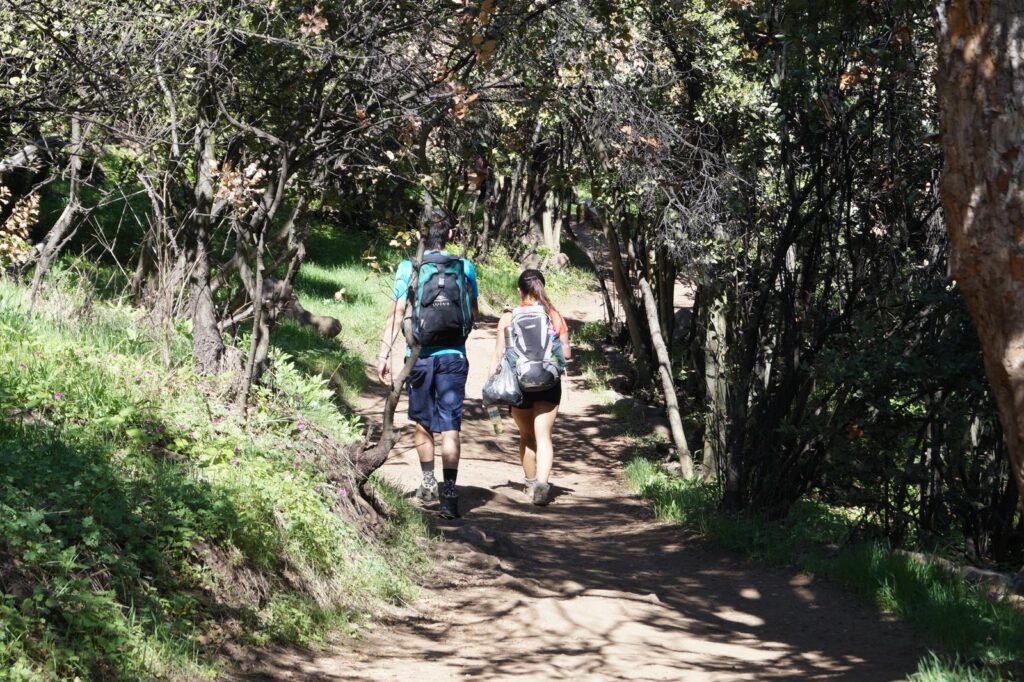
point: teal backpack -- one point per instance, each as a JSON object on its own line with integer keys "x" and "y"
{"x": 442, "y": 312}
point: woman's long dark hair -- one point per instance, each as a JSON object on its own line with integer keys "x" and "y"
{"x": 531, "y": 283}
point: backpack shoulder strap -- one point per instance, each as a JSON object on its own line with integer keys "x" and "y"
{"x": 528, "y": 310}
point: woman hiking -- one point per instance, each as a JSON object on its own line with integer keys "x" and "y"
{"x": 535, "y": 414}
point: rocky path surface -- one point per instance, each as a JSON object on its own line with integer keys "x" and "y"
{"x": 591, "y": 587}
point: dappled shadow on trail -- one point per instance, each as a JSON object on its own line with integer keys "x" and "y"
{"x": 592, "y": 588}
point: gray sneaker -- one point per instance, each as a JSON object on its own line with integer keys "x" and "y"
{"x": 540, "y": 493}
{"x": 427, "y": 494}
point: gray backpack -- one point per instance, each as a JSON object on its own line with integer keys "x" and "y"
{"x": 536, "y": 364}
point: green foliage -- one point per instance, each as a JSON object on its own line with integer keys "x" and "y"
{"x": 498, "y": 277}
{"x": 588, "y": 342}
{"x": 134, "y": 513}
{"x": 956, "y": 617}
{"x": 336, "y": 282}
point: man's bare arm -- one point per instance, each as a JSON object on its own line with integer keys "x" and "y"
{"x": 392, "y": 329}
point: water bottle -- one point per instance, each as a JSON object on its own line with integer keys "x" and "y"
{"x": 508, "y": 337}
{"x": 494, "y": 415}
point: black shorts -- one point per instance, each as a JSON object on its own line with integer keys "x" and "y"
{"x": 552, "y": 395}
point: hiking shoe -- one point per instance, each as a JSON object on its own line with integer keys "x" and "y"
{"x": 449, "y": 506}
{"x": 540, "y": 493}
{"x": 427, "y": 494}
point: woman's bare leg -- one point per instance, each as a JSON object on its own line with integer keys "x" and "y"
{"x": 527, "y": 441}
{"x": 543, "y": 425}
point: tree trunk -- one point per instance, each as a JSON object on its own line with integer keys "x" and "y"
{"x": 665, "y": 279}
{"x": 373, "y": 458}
{"x": 668, "y": 384}
{"x": 28, "y": 157}
{"x": 981, "y": 107}
{"x": 58, "y": 235}
{"x": 208, "y": 349}
{"x": 625, "y": 295}
{"x": 715, "y": 386}
{"x": 550, "y": 223}
{"x": 264, "y": 317}
{"x": 260, "y": 343}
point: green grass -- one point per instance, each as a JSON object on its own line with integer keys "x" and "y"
{"x": 141, "y": 524}
{"x": 960, "y": 621}
{"x": 498, "y": 279}
{"x": 334, "y": 265}
{"x": 588, "y": 342}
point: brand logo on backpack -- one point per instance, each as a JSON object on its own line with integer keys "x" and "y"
{"x": 441, "y": 312}
{"x": 537, "y": 366}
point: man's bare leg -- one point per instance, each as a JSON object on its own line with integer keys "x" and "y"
{"x": 424, "y": 441}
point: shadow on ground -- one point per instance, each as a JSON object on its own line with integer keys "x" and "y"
{"x": 592, "y": 588}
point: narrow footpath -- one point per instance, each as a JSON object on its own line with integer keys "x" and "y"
{"x": 592, "y": 587}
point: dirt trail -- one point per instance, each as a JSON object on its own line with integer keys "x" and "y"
{"x": 591, "y": 587}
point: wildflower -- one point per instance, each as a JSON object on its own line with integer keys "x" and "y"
{"x": 342, "y": 492}
{"x": 159, "y": 429}
{"x": 298, "y": 463}
{"x": 39, "y": 353}
{"x": 237, "y": 449}
{"x": 191, "y": 433}
{"x": 316, "y": 489}
{"x": 234, "y": 462}
{"x": 301, "y": 425}
{"x": 58, "y": 395}
{"x": 181, "y": 427}
{"x": 356, "y": 555}
{"x": 21, "y": 365}
{"x": 216, "y": 419}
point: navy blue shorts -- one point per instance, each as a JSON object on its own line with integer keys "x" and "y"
{"x": 437, "y": 389}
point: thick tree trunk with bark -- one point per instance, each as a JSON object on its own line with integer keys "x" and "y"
{"x": 981, "y": 99}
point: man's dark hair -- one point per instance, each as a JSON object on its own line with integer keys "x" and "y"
{"x": 437, "y": 225}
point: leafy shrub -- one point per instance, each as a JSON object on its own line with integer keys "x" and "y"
{"x": 134, "y": 514}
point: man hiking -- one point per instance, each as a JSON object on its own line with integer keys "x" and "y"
{"x": 442, "y": 308}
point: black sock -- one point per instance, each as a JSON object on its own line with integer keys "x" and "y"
{"x": 428, "y": 473}
{"x": 449, "y": 480}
